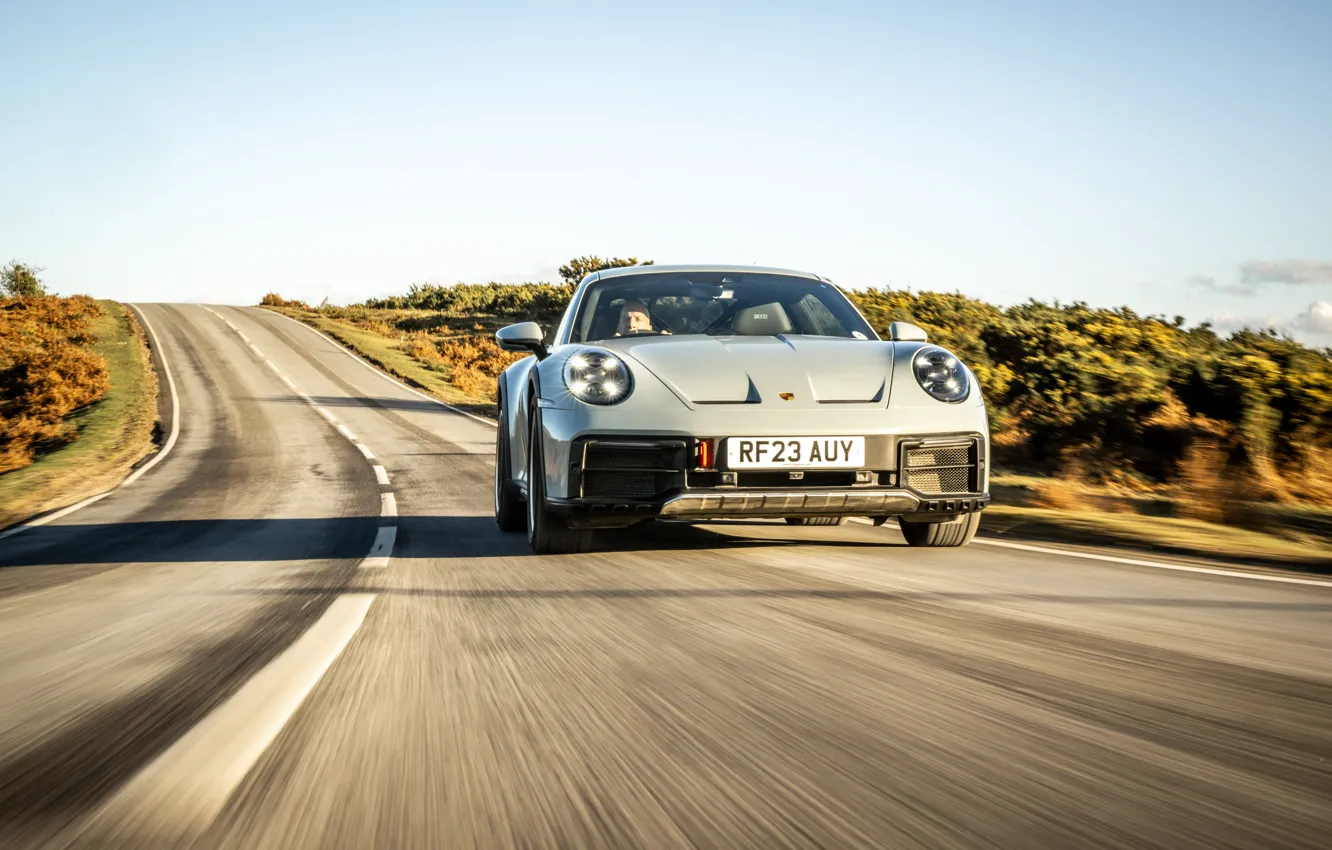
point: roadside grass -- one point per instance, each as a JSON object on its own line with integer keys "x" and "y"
{"x": 412, "y": 346}
{"x": 113, "y": 434}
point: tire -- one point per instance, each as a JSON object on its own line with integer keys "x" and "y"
{"x": 955, "y": 532}
{"x": 816, "y": 520}
{"x": 510, "y": 514}
{"x": 546, "y": 534}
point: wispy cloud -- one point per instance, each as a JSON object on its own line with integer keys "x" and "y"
{"x": 1259, "y": 272}
{"x": 1210, "y": 284}
{"x": 1255, "y": 274}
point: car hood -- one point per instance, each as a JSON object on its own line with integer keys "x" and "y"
{"x": 815, "y": 372}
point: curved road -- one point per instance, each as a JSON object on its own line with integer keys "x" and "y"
{"x": 224, "y": 654}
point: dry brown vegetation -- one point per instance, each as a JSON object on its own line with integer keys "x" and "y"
{"x": 48, "y": 372}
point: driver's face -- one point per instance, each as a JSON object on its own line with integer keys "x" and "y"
{"x": 637, "y": 320}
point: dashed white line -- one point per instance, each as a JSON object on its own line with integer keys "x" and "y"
{"x": 181, "y": 792}
{"x": 382, "y": 550}
{"x": 365, "y": 451}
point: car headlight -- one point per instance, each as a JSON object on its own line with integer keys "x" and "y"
{"x": 941, "y": 374}
{"x": 597, "y": 377}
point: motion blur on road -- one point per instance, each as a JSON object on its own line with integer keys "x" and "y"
{"x": 222, "y": 654}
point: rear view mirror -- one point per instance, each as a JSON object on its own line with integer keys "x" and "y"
{"x": 524, "y": 336}
{"x": 906, "y": 332}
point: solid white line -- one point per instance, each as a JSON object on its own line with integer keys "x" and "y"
{"x": 365, "y": 451}
{"x": 383, "y": 548}
{"x": 381, "y": 373}
{"x": 342, "y": 429}
{"x": 181, "y": 791}
{"x": 1157, "y": 565}
{"x": 381, "y": 475}
{"x": 136, "y": 474}
{"x": 388, "y": 505}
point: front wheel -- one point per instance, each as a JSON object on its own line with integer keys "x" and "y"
{"x": 547, "y": 534}
{"x": 509, "y": 514}
{"x": 955, "y": 532}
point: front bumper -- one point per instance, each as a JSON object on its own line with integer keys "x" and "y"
{"x": 616, "y": 480}
{"x": 732, "y": 504}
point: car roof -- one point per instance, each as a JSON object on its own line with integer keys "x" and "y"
{"x": 625, "y": 270}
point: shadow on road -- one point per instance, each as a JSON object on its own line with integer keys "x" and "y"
{"x": 361, "y": 401}
{"x": 212, "y": 540}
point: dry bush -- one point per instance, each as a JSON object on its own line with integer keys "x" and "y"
{"x": 47, "y": 373}
{"x": 422, "y": 346}
{"x": 272, "y": 299}
{"x": 477, "y": 363}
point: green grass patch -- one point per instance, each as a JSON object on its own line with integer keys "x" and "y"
{"x": 113, "y": 433}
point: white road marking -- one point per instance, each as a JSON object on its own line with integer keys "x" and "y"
{"x": 365, "y": 451}
{"x": 324, "y": 413}
{"x": 382, "y": 551}
{"x": 1138, "y": 562}
{"x": 290, "y": 383}
{"x": 181, "y": 791}
{"x": 381, "y": 474}
{"x": 388, "y": 505}
{"x": 1156, "y": 565}
{"x": 136, "y": 474}
{"x": 385, "y": 376}
{"x": 342, "y": 429}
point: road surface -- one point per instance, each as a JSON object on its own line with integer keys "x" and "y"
{"x": 301, "y": 629}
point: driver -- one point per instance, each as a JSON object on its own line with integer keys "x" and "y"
{"x": 634, "y": 318}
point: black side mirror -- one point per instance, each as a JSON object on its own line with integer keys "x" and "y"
{"x": 524, "y": 336}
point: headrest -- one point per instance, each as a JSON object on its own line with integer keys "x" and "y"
{"x": 761, "y": 320}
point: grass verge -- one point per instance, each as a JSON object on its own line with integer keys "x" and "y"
{"x": 113, "y": 434}
{"x": 388, "y": 353}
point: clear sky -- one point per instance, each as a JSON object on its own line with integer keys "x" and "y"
{"x": 1172, "y": 156}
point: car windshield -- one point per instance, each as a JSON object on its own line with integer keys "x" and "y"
{"x": 717, "y": 304}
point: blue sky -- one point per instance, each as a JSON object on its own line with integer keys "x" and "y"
{"x": 1172, "y": 156}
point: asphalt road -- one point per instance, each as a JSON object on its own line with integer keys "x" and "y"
{"x": 219, "y": 655}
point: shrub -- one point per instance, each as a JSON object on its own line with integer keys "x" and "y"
{"x": 47, "y": 373}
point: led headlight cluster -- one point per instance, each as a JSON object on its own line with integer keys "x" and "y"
{"x": 597, "y": 377}
{"x": 941, "y": 374}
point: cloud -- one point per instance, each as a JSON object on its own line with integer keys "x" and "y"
{"x": 1210, "y": 284}
{"x": 1258, "y": 272}
{"x": 1312, "y": 325}
{"x": 1317, "y": 319}
{"x": 1255, "y": 274}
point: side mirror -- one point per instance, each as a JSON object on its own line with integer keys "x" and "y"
{"x": 524, "y": 336}
{"x": 906, "y": 332}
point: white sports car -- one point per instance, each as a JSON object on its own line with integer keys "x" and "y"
{"x": 706, "y": 392}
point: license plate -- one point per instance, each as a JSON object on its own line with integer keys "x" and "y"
{"x": 795, "y": 452}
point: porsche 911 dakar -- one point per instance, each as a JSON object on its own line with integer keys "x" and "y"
{"x": 697, "y": 393}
